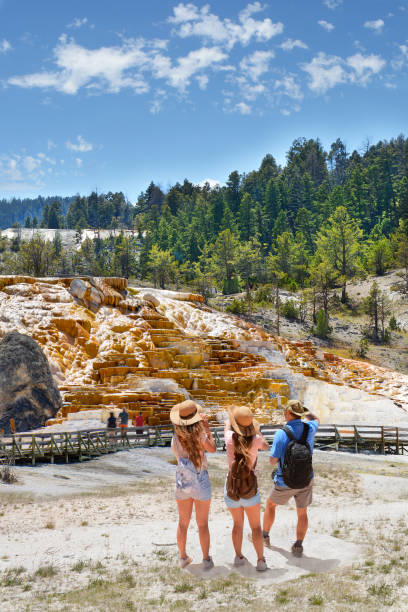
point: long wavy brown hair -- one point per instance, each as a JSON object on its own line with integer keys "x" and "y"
{"x": 190, "y": 439}
{"x": 242, "y": 446}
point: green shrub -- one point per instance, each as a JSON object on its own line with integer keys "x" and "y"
{"x": 362, "y": 349}
{"x": 322, "y": 328}
{"x": 231, "y": 286}
{"x": 290, "y": 310}
{"x": 236, "y": 306}
{"x": 393, "y": 324}
{"x": 264, "y": 294}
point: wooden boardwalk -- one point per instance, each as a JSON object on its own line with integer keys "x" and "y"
{"x": 82, "y": 445}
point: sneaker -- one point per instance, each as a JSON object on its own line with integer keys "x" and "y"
{"x": 261, "y": 565}
{"x": 184, "y": 562}
{"x": 208, "y": 563}
{"x": 297, "y": 550}
{"x": 238, "y": 561}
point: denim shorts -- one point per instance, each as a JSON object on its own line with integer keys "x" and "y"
{"x": 191, "y": 483}
{"x": 241, "y": 503}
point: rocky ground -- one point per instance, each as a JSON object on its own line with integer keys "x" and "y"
{"x": 347, "y": 323}
{"x": 101, "y": 536}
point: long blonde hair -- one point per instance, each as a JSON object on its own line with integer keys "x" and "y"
{"x": 242, "y": 446}
{"x": 189, "y": 437}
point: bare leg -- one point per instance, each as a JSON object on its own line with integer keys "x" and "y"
{"x": 238, "y": 517}
{"x": 254, "y": 517}
{"x": 302, "y": 523}
{"x": 202, "y": 509}
{"x": 269, "y": 515}
{"x": 185, "y": 508}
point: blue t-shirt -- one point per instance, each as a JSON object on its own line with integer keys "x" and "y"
{"x": 281, "y": 440}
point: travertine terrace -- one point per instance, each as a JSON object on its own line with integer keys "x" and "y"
{"x": 111, "y": 345}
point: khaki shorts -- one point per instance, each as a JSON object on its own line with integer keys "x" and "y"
{"x": 303, "y": 497}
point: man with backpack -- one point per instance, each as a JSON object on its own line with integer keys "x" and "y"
{"x": 292, "y": 450}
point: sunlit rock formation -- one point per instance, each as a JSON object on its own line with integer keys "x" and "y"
{"x": 111, "y": 345}
{"x": 28, "y": 393}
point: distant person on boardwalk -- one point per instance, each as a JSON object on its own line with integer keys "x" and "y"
{"x": 292, "y": 450}
{"x": 242, "y": 441}
{"x": 192, "y": 438}
{"x": 111, "y": 426}
{"x": 124, "y": 420}
{"x": 139, "y": 421}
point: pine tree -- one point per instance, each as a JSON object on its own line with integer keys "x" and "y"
{"x": 338, "y": 244}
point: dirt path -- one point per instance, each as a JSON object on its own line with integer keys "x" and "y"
{"x": 70, "y": 517}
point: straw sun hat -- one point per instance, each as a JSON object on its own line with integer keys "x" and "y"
{"x": 186, "y": 413}
{"x": 296, "y": 407}
{"x": 242, "y": 421}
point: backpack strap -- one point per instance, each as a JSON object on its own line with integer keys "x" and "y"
{"x": 305, "y": 433}
{"x": 289, "y": 433}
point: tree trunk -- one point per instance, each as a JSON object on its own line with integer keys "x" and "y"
{"x": 343, "y": 294}
{"x": 277, "y": 303}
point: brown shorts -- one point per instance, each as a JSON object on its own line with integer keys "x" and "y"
{"x": 303, "y": 497}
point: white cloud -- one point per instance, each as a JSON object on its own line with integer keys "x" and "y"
{"x": 179, "y": 76}
{"x": 31, "y": 164}
{"x": 202, "y": 80}
{"x": 110, "y": 69}
{"x": 376, "y": 25}
{"x": 332, "y": 4}
{"x": 192, "y": 21}
{"x": 256, "y": 64}
{"x": 326, "y": 25}
{"x": 186, "y": 12}
{"x": 287, "y": 86}
{"x": 211, "y": 182}
{"x": 81, "y": 146}
{"x": 103, "y": 69}
{"x": 365, "y": 67}
{"x": 243, "y": 108}
{"x": 78, "y": 22}
{"x": 78, "y": 162}
{"x": 19, "y": 170}
{"x": 401, "y": 60}
{"x": 51, "y": 144}
{"x": 290, "y": 44}
{"x": 5, "y": 46}
{"x": 327, "y": 71}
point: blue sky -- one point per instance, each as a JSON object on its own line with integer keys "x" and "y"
{"x": 109, "y": 96}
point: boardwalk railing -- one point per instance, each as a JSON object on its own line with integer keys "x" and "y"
{"x": 80, "y": 445}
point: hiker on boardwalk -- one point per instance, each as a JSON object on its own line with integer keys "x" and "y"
{"x": 292, "y": 450}
{"x": 242, "y": 441}
{"x": 139, "y": 423}
{"x": 192, "y": 438}
{"x": 111, "y": 426}
{"x": 123, "y": 421}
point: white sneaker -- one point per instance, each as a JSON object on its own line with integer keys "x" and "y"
{"x": 208, "y": 563}
{"x": 261, "y": 565}
{"x": 238, "y": 561}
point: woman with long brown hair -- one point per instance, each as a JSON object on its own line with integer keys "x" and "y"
{"x": 192, "y": 438}
{"x": 242, "y": 441}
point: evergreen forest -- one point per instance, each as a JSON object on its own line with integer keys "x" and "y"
{"x": 324, "y": 218}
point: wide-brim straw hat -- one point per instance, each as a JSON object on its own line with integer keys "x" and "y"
{"x": 186, "y": 413}
{"x": 297, "y": 408}
{"x": 242, "y": 421}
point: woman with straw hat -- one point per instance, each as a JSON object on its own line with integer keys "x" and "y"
{"x": 243, "y": 440}
{"x": 192, "y": 438}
